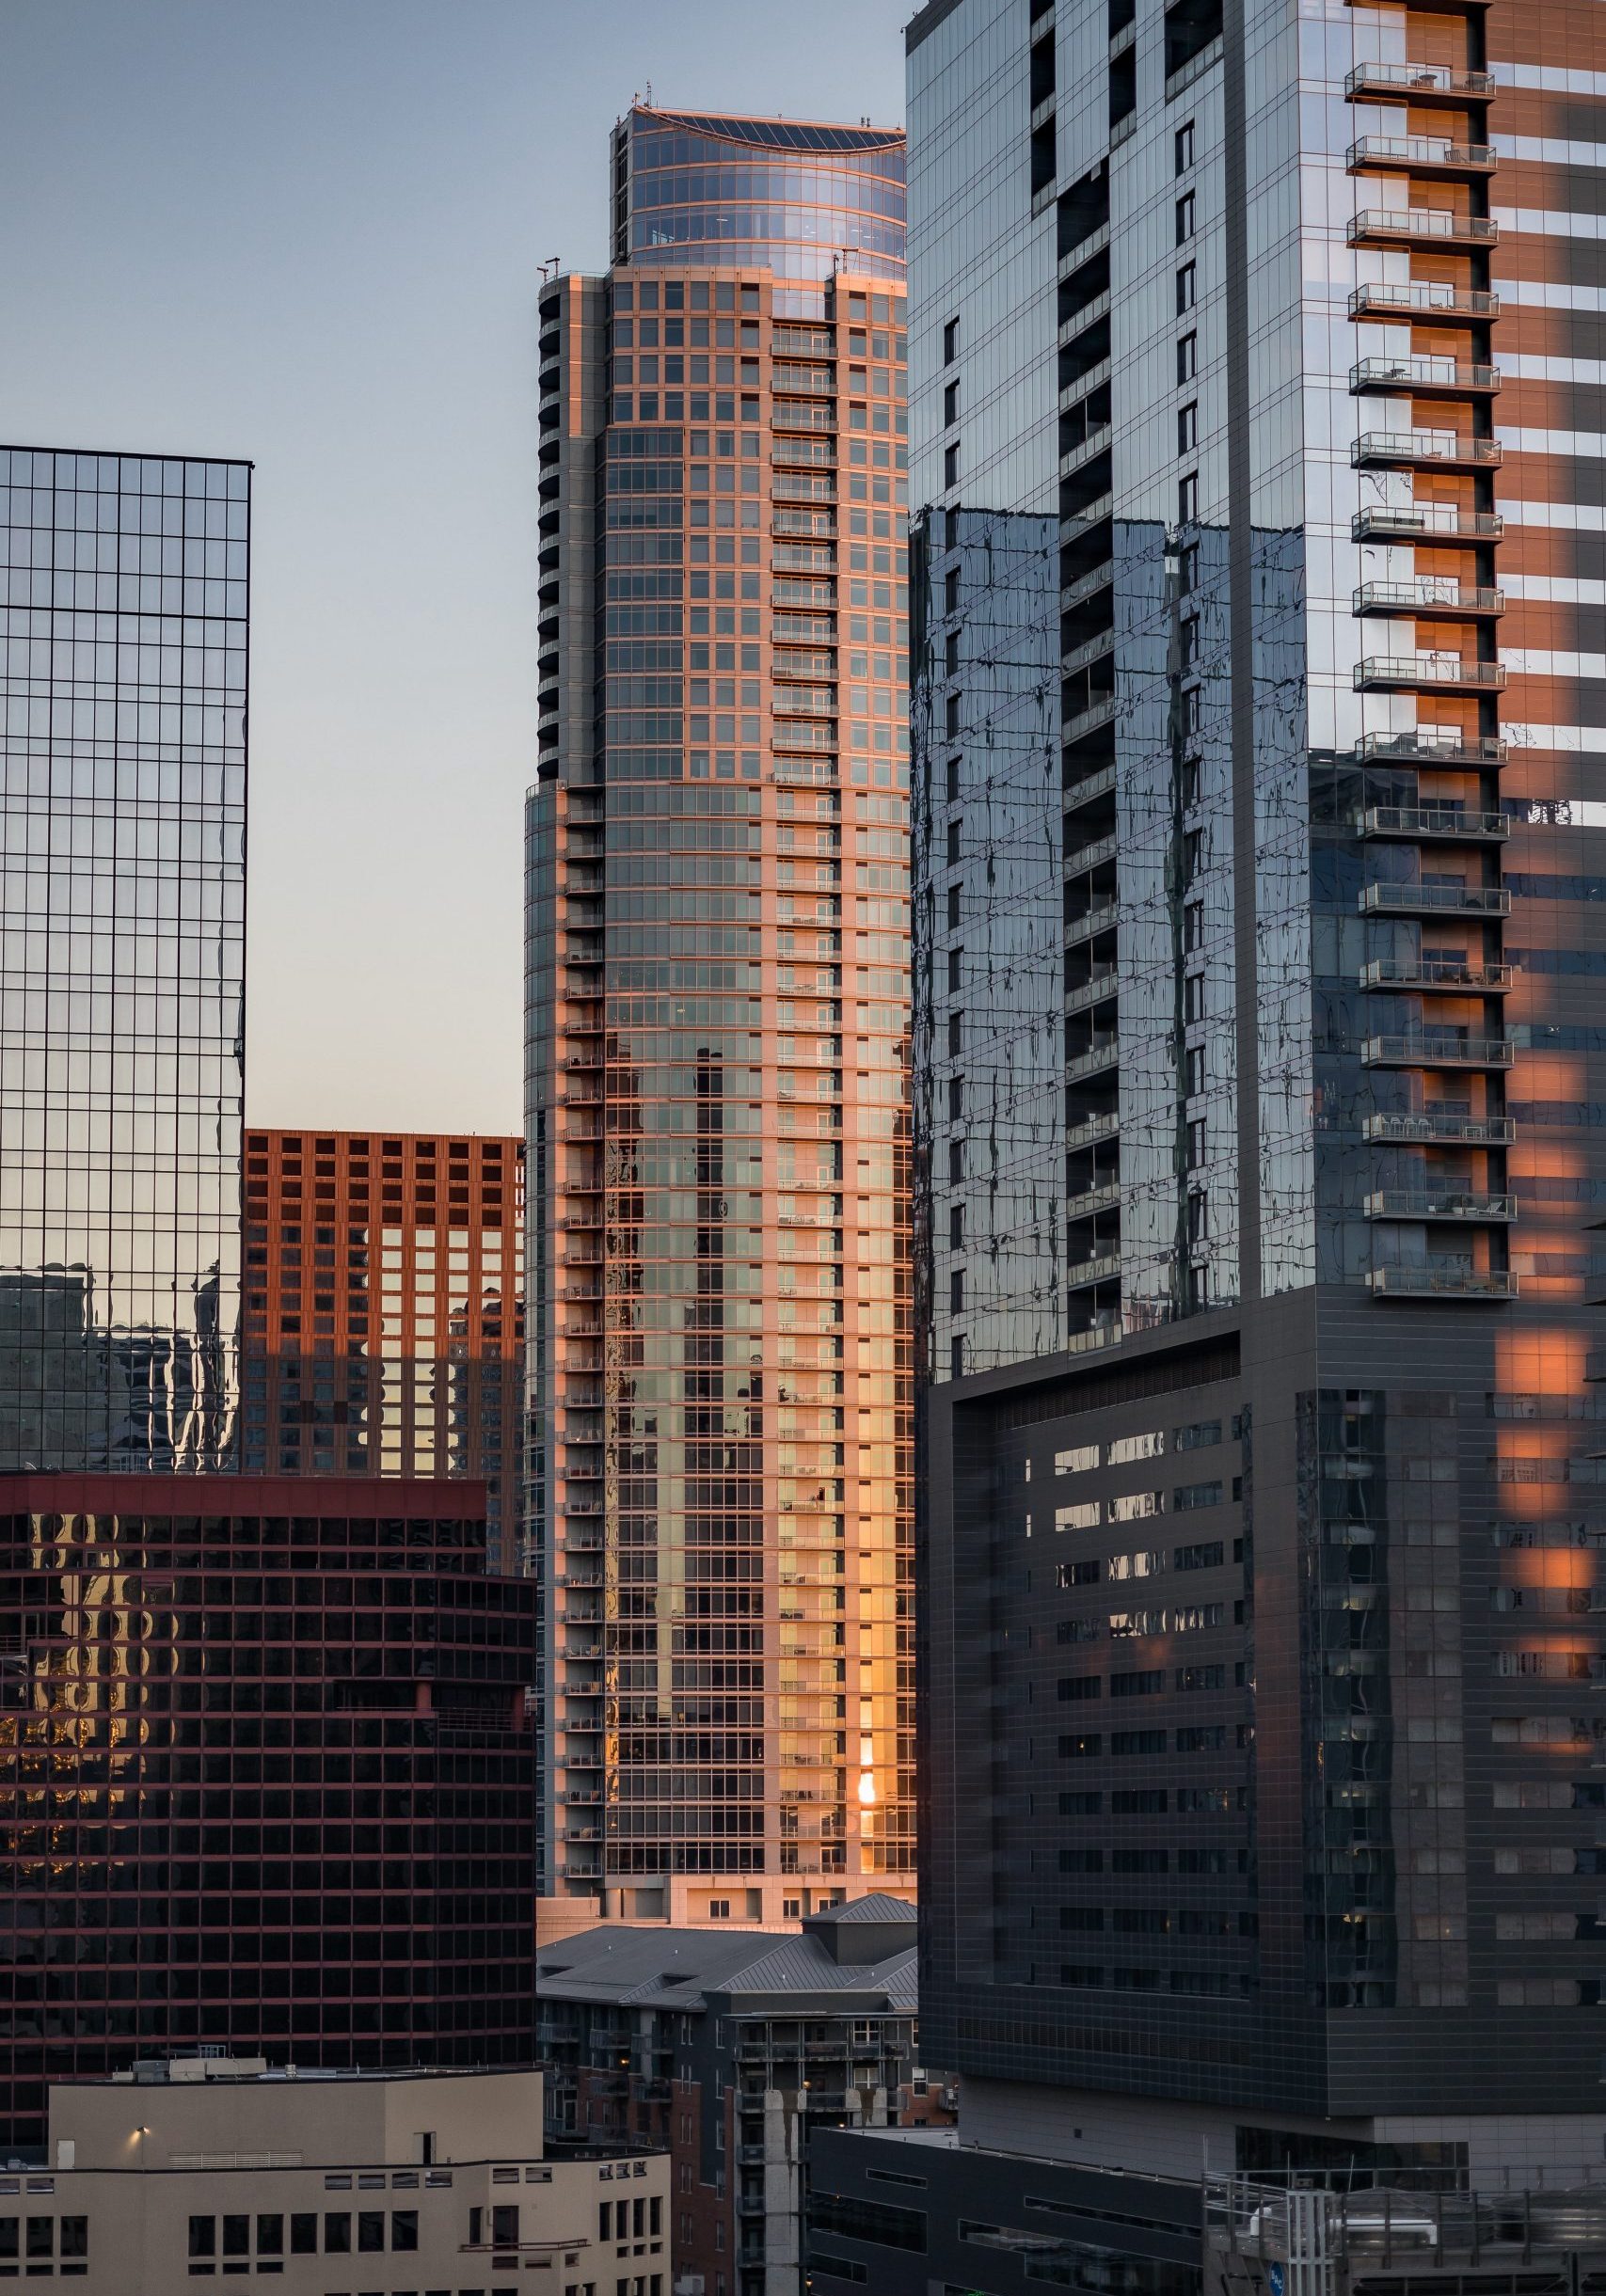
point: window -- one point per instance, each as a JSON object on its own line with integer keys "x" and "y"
{"x": 75, "y": 2236}
{"x": 718, "y": 1908}
{"x": 1075, "y": 1462}
{"x": 236, "y": 2236}
{"x": 1188, "y": 427}
{"x": 203, "y": 2236}
{"x": 1184, "y": 148}
{"x": 304, "y": 2236}
{"x": 1187, "y": 218}
{"x": 371, "y": 2232}
{"x": 951, "y": 342}
{"x": 1186, "y": 286}
{"x": 1187, "y": 499}
{"x": 1187, "y": 357}
{"x": 504, "y": 2227}
{"x": 337, "y": 2235}
{"x": 950, "y": 403}
{"x": 1082, "y": 1573}
{"x": 41, "y": 2236}
{"x": 270, "y": 2236}
{"x": 950, "y": 465}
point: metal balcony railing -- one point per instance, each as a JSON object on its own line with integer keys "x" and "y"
{"x": 1446, "y": 599}
{"x": 1453, "y": 673}
{"x": 1434, "y": 1049}
{"x": 1415, "y": 900}
{"x": 1410, "y": 298}
{"x": 1423, "y": 84}
{"x": 1435, "y": 1203}
{"x": 1444, "y": 1283}
{"x": 1423, "y": 1127}
{"x": 1440, "y": 745}
{"x": 1438, "y": 972}
{"x": 1425, "y": 375}
{"x": 1422, "y": 225}
{"x": 1450, "y": 450}
{"x": 1421, "y": 154}
{"x": 1436, "y": 823}
{"x": 1425, "y": 522}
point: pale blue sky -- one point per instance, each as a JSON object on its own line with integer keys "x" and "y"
{"x": 306, "y": 232}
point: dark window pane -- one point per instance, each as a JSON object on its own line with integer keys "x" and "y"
{"x": 270, "y": 2236}
{"x": 236, "y": 2236}
{"x": 371, "y": 2231}
{"x": 404, "y": 2228}
{"x": 303, "y": 2236}
{"x": 337, "y": 2234}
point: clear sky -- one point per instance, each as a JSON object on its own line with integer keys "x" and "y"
{"x": 306, "y": 232}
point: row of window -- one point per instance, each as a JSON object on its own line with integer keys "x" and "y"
{"x": 337, "y": 2225}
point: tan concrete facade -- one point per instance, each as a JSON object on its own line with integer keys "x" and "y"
{"x": 410, "y": 2184}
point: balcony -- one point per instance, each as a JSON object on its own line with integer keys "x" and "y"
{"x": 1439, "y": 300}
{"x": 1437, "y": 673}
{"x": 1091, "y": 650}
{"x": 1429, "y": 85}
{"x": 1425, "y": 376}
{"x": 1094, "y": 444}
{"x": 1431, "y": 744}
{"x": 1430, "y": 155}
{"x": 1086, "y": 585}
{"x": 1425, "y": 522}
{"x": 1430, "y": 1204}
{"x": 1088, "y": 720}
{"x": 1420, "y": 227}
{"x": 1091, "y": 922}
{"x": 1092, "y": 785}
{"x": 1444, "y": 600}
{"x": 1093, "y": 1200}
{"x": 1444, "y": 1283}
{"x": 1090, "y": 856}
{"x": 1103, "y": 1331}
{"x": 1436, "y": 1049}
{"x": 1103, "y": 1055}
{"x": 1420, "y": 450}
{"x": 1091, "y": 1131}
{"x": 1447, "y": 976}
{"x": 1098, "y": 1270}
{"x": 1423, "y": 1128}
{"x": 1094, "y": 991}
{"x": 1438, "y": 823}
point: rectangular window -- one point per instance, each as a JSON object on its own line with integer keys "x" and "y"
{"x": 1184, "y": 148}
{"x": 8, "y": 2233}
{"x": 951, "y": 342}
{"x": 950, "y": 403}
{"x": 236, "y": 2236}
{"x": 75, "y": 2236}
{"x": 1125, "y": 1448}
{"x": 270, "y": 2236}
{"x": 1084, "y": 1517}
{"x": 337, "y": 2235}
{"x": 950, "y": 465}
{"x": 1187, "y": 215}
{"x": 1076, "y": 1462}
{"x": 371, "y": 2232}
{"x": 1188, "y": 363}
{"x": 304, "y": 2236}
{"x": 1186, "y": 287}
{"x": 41, "y": 2236}
{"x": 203, "y": 2236}
{"x": 1072, "y": 1687}
{"x": 1188, "y": 427}
{"x": 1081, "y": 1574}
{"x": 1187, "y": 499}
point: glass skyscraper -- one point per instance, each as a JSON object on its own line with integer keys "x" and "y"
{"x": 122, "y": 957}
{"x": 719, "y": 1483}
{"x": 1259, "y": 799}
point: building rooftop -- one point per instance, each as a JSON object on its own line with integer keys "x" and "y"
{"x": 682, "y": 1969}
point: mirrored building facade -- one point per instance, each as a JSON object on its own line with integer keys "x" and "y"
{"x": 121, "y": 956}
{"x": 1259, "y": 831}
{"x": 719, "y": 1351}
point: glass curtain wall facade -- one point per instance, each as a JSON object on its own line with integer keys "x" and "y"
{"x": 1280, "y": 328}
{"x": 384, "y": 1313}
{"x": 267, "y": 1778}
{"x": 718, "y": 1130}
{"x": 121, "y": 956}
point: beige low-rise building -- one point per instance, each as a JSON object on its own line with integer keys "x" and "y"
{"x": 329, "y": 2184}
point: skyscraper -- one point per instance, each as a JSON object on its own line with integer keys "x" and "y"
{"x": 121, "y": 956}
{"x": 1258, "y": 808}
{"x": 717, "y": 1138}
{"x": 267, "y": 1778}
{"x": 384, "y": 1298}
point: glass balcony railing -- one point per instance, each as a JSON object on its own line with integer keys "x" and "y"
{"x": 1438, "y": 1204}
{"x": 1444, "y": 1283}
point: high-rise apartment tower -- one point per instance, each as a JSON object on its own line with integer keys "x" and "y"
{"x": 384, "y": 1297}
{"x": 717, "y": 1137}
{"x": 123, "y": 881}
{"x": 1260, "y": 784}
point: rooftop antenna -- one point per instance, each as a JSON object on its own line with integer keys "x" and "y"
{"x": 550, "y": 268}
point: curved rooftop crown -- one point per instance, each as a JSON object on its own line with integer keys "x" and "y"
{"x": 803, "y": 198}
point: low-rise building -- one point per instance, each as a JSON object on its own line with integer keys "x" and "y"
{"x": 330, "y": 2184}
{"x": 732, "y": 2048}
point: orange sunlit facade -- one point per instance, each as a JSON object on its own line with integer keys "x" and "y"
{"x": 383, "y": 1320}
{"x": 721, "y": 1368}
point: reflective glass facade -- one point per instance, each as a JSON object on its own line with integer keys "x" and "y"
{"x": 1268, "y": 1447}
{"x": 121, "y": 956}
{"x": 718, "y": 1144}
{"x": 383, "y": 1311}
{"x": 267, "y": 1778}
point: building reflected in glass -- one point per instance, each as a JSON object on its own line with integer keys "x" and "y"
{"x": 122, "y": 957}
